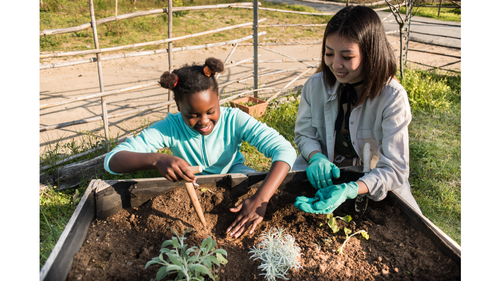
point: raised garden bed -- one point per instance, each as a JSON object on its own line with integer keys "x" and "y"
{"x": 120, "y": 225}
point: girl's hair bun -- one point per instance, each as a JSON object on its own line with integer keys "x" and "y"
{"x": 168, "y": 80}
{"x": 214, "y": 65}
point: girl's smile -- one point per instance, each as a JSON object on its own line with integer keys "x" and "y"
{"x": 344, "y": 58}
{"x": 200, "y": 111}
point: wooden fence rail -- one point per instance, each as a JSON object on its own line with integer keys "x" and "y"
{"x": 140, "y": 14}
{"x": 147, "y": 53}
{"x": 344, "y": 4}
{"x": 130, "y": 46}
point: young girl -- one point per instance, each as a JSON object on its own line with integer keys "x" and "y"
{"x": 353, "y": 99}
{"x": 204, "y": 134}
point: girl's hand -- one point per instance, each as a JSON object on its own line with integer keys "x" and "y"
{"x": 252, "y": 213}
{"x": 174, "y": 168}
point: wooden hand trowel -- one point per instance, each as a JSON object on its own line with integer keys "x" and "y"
{"x": 192, "y": 195}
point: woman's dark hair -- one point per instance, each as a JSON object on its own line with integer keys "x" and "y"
{"x": 362, "y": 25}
{"x": 191, "y": 79}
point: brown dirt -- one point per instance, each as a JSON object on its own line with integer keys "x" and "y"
{"x": 119, "y": 247}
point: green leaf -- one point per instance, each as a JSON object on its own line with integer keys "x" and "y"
{"x": 204, "y": 244}
{"x": 155, "y": 260}
{"x": 174, "y": 259}
{"x": 193, "y": 258}
{"x": 220, "y": 258}
{"x": 186, "y": 231}
{"x": 333, "y": 224}
{"x": 204, "y": 190}
{"x": 166, "y": 250}
{"x": 214, "y": 260}
{"x": 199, "y": 268}
{"x": 221, "y": 251}
{"x": 347, "y": 218}
{"x": 347, "y": 231}
{"x": 160, "y": 257}
{"x": 175, "y": 242}
{"x": 212, "y": 245}
{"x": 365, "y": 235}
{"x": 174, "y": 232}
{"x": 162, "y": 272}
{"x": 173, "y": 267}
{"x": 166, "y": 243}
{"x": 207, "y": 262}
{"x": 191, "y": 250}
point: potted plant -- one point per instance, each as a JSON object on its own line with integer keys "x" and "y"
{"x": 253, "y": 106}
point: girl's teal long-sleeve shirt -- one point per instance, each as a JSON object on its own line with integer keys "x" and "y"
{"x": 216, "y": 152}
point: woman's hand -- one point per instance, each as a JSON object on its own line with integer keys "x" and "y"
{"x": 174, "y": 168}
{"x": 252, "y": 213}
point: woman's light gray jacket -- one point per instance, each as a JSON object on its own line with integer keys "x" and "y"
{"x": 382, "y": 122}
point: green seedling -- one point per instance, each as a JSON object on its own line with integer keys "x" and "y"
{"x": 278, "y": 253}
{"x": 188, "y": 264}
{"x": 362, "y": 232}
{"x": 332, "y": 222}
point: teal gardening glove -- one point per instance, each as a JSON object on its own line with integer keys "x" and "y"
{"x": 320, "y": 171}
{"x": 327, "y": 199}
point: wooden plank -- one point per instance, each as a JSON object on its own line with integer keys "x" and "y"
{"x": 69, "y": 243}
{"x": 440, "y": 239}
{"x": 122, "y": 193}
{"x": 140, "y": 14}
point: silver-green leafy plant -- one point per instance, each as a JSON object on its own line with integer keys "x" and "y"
{"x": 188, "y": 264}
{"x": 278, "y": 253}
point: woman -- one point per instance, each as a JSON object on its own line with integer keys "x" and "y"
{"x": 353, "y": 99}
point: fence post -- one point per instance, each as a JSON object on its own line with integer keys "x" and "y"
{"x": 99, "y": 71}
{"x": 170, "y": 48}
{"x": 255, "y": 47}
{"x": 439, "y": 9}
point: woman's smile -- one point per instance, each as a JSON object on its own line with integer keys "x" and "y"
{"x": 344, "y": 58}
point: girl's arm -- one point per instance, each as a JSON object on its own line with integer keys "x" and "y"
{"x": 254, "y": 208}
{"x": 171, "y": 167}
{"x": 140, "y": 153}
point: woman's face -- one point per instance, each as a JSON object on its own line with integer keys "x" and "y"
{"x": 344, "y": 59}
{"x": 200, "y": 111}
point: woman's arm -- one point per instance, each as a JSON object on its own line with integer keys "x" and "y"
{"x": 254, "y": 208}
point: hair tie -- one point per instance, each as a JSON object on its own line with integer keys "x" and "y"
{"x": 176, "y": 79}
{"x": 207, "y": 71}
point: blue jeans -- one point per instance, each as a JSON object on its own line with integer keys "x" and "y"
{"x": 240, "y": 168}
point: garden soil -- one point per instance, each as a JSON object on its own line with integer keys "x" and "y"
{"x": 119, "y": 247}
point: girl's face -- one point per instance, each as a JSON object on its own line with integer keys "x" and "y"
{"x": 200, "y": 111}
{"x": 344, "y": 58}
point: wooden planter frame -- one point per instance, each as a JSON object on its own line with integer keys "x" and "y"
{"x": 105, "y": 198}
